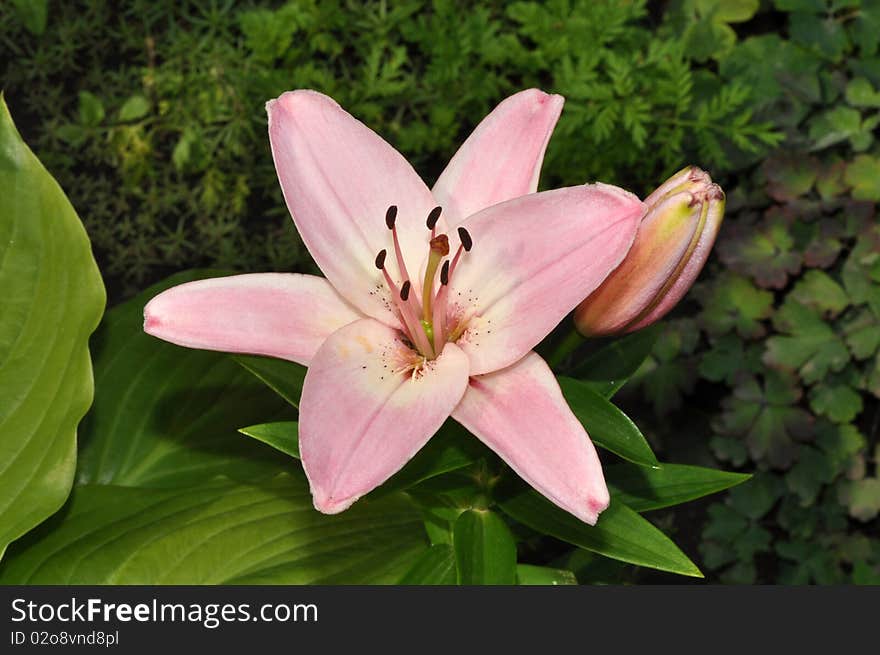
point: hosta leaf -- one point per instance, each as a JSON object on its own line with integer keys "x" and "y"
{"x": 53, "y": 298}
{"x": 165, "y": 414}
{"x": 436, "y": 566}
{"x": 218, "y": 532}
{"x": 485, "y": 551}
{"x": 619, "y": 534}
{"x": 643, "y": 488}
{"x": 170, "y": 492}
{"x": 607, "y": 426}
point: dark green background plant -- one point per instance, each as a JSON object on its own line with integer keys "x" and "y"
{"x": 150, "y": 115}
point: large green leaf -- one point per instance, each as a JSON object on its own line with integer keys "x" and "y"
{"x": 644, "y": 488}
{"x": 53, "y": 298}
{"x": 607, "y": 426}
{"x": 170, "y": 492}
{"x": 167, "y": 415}
{"x": 620, "y": 533}
{"x": 219, "y": 532}
{"x": 526, "y": 574}
{"x": 436, "y": 566}
{"x": 485, "y": 551}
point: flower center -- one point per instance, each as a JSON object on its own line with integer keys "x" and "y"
{"x": 426, "y": 324}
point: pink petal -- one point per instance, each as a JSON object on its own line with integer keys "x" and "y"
{"x": 284, "y": 315}
{"x": 339, "y": 178}
{"x": 502, "y": 158}
{"x": 519, "y": 412}
{"x": 533, "y": 260}
{"x": 361, "y": 418}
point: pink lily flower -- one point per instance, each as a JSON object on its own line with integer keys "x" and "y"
{"x": 432, "y": 302}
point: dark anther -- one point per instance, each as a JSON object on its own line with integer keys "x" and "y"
{"x": 380, "y": 259}
{"x": 466, "y": 240}
{"x": 444, "y": 273}
{"x": 404, "y": 290}
{"x": 433, "y": 217}
{"x": 391, "y": 216}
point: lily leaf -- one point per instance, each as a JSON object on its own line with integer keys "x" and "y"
{"x": 53, "y": 298}
{"x": 283, "y": 377}
{"x": 643, "y": 488}
{"x": 526, "y": 574}
{"x": 485, "y": 551}
{"x": 620, "y": 533}
{"x": 282, "y": 436}
{"x": 606, "y": 424}
{"x": 608, "y": 369}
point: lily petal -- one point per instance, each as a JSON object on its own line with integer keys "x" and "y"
{"x": 520, "y": 413}
{"x": 533, "y": 260}
{"x": 502, "y": 157}
{"x": 339, "y": 178}
{"x": 284, "y": 315}
{"x": 361, "y": 418}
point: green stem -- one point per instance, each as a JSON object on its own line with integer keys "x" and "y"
{"x": 567, "y": 346}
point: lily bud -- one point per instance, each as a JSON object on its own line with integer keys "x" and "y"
{"x": 673, "y": 242}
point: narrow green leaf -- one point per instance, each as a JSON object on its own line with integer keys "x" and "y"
{"x": 643, "y": 488}
{"x": 608, "y": 369}
{"x": 451, "y": 449}
{"x": 606, "y": 424}
{"x": 526, "y": 574}
{"x": 283, "y": 377}
{"x": 620, "y": 533}
{"x": 485, "y": 551}
{"x": 436, "y": 566}
{"x": 217, "y": 532}
{"x": 52, "y": 299}
{"x": 282, "y": 436}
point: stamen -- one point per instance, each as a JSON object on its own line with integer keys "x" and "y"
{"x": 433, "y": 217}
{"x": 444, "y": 273}
{"x": 409, "y": 317}
{"x": 391, "y": 216}
{"x": 404, "y": 290}
{"x": 380, "y": 259}
{"x": 466, "y": 240}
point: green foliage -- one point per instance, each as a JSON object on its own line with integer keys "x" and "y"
{"x": 789, "y": 318}
{"x": 151, "y": 113}
{"x": 52, "y": 299}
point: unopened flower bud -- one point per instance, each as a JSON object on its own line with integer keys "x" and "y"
{"x": 673, "y": 242}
